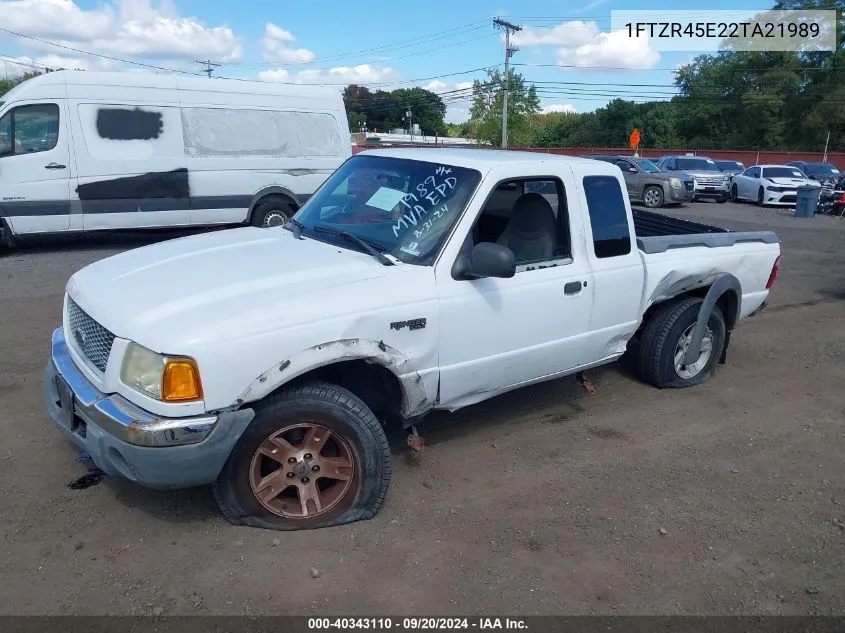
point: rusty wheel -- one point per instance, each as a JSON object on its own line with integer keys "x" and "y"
{"x": 313, "y": 456}
{"x": 302, "y": 470}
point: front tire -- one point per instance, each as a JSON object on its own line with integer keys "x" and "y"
{"x": 664, "y": 341}
{"x": 653, "y": 197}
{"x": 760, "y": 195}
{"x": 314, "y": 456}
{"x": 734, "y": 193}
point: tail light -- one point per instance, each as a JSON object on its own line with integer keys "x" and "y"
{"x": 773, "y": 275}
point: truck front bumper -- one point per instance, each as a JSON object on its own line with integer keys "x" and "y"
{"x": 125, "y": 440}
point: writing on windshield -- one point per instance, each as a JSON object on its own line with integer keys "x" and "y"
{"x": 399, "y": 206}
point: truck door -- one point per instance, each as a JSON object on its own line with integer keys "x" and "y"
{"x": 35, "y": 166}
{"x": 498, "y": 333}
{"x": 618, "y": 271}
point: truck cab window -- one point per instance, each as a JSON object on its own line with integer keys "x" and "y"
{"x": 529, "y": 216}
{"x": 28, "y": 129}
{"x": 608, "y": 218}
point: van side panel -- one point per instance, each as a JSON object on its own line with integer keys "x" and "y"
{"x": 271, "y": 138}
{"x": 130, "y": 157}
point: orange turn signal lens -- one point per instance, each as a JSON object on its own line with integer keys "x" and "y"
{"x": 180, "y": 381}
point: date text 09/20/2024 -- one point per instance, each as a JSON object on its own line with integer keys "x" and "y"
{"x": 417, "y": 624}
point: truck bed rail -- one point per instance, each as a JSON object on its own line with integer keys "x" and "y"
{"x": 658, "y": 233}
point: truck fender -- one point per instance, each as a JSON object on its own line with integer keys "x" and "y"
{"x": 274, "y": 190}
{"x": 414, "y": 397}
{"x": 723, "y": 283}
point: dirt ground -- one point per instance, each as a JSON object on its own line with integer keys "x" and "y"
{"x": 722, "y": 499}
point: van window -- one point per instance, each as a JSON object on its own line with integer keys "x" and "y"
{"x": 227, "y": 132}
{"x": 29, "y": 129}
{"x": 608, "y": 218}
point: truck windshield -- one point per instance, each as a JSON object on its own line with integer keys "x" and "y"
{"x": 697, "y": 164}
{"x": 729, "y": 164}
{"x": 398, "y": 206}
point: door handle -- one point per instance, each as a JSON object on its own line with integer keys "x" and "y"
{"x": 572, "y": 287}
{"x": 54, "y": 166}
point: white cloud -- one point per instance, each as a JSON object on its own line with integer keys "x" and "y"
{"x": 340, "y": 76}
{"x": 127, "y": 28}
{"x": 610, "y": 50}
{"x": 583, "y": 45}
{"x": 275, "y": 49}
{"x": 569, "y": 34}
{"x": 557, "y": 107}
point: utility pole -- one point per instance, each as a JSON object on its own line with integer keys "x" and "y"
{"x": 824, "y": 159}
{"x": 410, "y": 117}
{"x": 209, "y": 66}
{"x": 509, "y": 50}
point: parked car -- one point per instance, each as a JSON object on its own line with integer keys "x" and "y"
{"x": 710, "y": 182}
{"x": 98, "y": 150}
{"x": 730, "y": 167}
{"x": 648, "y": 184}
{"x": 769, "y": 184}
{"x": 270, "y": 368}
{"x": 828, "y": 175}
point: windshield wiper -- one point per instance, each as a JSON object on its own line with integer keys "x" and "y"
{"x": 296, "y": 227}
{"x": 349, "y": 237}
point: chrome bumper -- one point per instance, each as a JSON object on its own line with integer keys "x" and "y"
{"x": 114, "y": 413}
{"x": 127, "y": 441}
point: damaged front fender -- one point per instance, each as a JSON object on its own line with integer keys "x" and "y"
{"x": 415, "y": 400}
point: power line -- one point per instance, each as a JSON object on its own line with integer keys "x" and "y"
{"x": 79, "y": 50}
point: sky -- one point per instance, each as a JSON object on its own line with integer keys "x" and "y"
{"x": 565, "y": 46}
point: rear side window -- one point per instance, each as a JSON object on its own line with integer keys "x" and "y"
{"x": 609, "y": 221}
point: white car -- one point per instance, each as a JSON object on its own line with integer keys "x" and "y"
{"x": 769, "y": 184}
{"x": 267, "y": 361}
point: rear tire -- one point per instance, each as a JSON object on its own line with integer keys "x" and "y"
{"x": 662, "y": 341}
{"x": 306, "y": 483}
{"x": 272, "y": 212}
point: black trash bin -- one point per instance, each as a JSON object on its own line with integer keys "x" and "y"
{"x": 806, "y": 201}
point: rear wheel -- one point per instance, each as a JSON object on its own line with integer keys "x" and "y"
{"x": 653, "y": 197}
{"x": 665, "y": 339}
{"x": 314, "y": 456}
{"x": 272, "y": 212}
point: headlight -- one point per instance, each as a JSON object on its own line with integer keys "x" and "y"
{"x": 165, "y": 378}
{"x": 676, "y": 183}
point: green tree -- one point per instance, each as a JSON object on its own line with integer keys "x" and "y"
{"x": 383, "y": 110}
{"x": 7, "y": 84}
{"x": 487, "y": 102}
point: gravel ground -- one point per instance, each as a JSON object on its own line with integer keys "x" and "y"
{"x": 722, "y": 499}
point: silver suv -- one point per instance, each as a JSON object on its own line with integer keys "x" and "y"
{"x": 710, "y": 181}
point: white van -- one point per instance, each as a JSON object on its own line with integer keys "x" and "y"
{"x": 82, "y": 151}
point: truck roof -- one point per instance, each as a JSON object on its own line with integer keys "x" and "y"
{"x": 476, "y": 158}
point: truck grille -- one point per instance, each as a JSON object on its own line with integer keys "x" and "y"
{"x": 90, "y": 338}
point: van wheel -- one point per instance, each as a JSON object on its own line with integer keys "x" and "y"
{"x": 272, "y": 212}
{"x": 314, "y": 456}
{"x": 665, "y": 339}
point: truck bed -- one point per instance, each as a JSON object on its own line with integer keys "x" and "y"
{"x": 657, "y": 233}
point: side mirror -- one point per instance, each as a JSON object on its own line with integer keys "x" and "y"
{"x": 486, "y": 259}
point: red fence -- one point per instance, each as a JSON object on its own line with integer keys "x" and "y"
{"x": 748, "y": 158}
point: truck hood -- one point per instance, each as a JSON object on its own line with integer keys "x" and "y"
{"x": 168, "y": 289}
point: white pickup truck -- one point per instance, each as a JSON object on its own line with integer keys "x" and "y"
{"x": 267, "y": 361}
